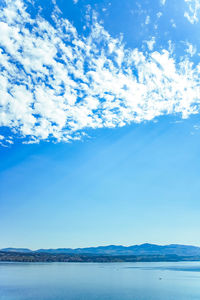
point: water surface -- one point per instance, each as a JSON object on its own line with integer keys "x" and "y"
{"x": 92, "y": 281}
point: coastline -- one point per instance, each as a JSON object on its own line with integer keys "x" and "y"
{"x": 46, "y": 257}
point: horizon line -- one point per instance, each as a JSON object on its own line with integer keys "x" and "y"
{"x": 115, "y": 245}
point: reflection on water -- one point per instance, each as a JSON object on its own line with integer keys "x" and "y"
{"x": 188, "y": 267}
{"x": 88, "y": 281}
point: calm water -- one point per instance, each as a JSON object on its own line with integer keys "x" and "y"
{"x": 90, "y": 281}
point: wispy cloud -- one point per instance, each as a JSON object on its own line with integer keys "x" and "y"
{"x": 191, "y": 49}
{"x": 150, "y": 43}
{"x": 162, "y": 2}
{"x": 159, "y": 14}
{"x": 54, "y": 84}
{"x": 147, "y": 20}
{"x": 193, "y": 12}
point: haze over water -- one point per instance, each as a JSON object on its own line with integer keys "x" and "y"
{"x": 92, "y": 281}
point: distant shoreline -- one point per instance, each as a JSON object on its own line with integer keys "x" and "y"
{"x": 46, "y": 257}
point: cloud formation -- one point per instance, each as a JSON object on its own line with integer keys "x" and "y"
{"x": 193, "y": 13}
{"x": 162, "y": 2}
{"x": 54, "y": 84}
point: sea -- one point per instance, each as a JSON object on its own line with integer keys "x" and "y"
{"x": 95, "y": 281}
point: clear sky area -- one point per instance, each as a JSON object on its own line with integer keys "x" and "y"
{"x": 99, "y": 123}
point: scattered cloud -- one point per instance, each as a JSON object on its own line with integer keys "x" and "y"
{"x": 54, "y": 84}
{"x": 173, "y": 23}
{"x": 162, "y": 2}
{"x": 159, "y": 14}
{"x": 147, "y": 20}
{"x": 75, "y": 1}
{"x": 150, "y": 43}
{"x": 193, "y": 12}
{"x": 191, "y": 49}
{"x": 197, "y": 127}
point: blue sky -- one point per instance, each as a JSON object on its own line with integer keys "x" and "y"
{"x": 99, "y": 122}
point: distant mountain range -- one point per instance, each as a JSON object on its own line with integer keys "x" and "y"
{"x": 137, "y": 250}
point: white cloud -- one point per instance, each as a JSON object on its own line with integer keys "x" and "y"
{"x": 159, "y": 14}
{"x": 162, "y": 2}
{"x": 151, "y": 43}
{"x": 147, "y": 20}
{"x": 75, "y": 1}
{"x": 55, "y": 84}
{"x": 173, "y": 23}
{"x": 193, "y": 12}
{"x": 191, "y": 49}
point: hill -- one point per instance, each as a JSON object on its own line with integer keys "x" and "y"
{"x": 113, "y": 250}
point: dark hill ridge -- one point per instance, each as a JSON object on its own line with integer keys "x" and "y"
{"x": 19, "y": 250}
{"x": 137, "y": 250}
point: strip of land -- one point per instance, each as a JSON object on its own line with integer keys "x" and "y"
{"x": 46, "y": 257}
